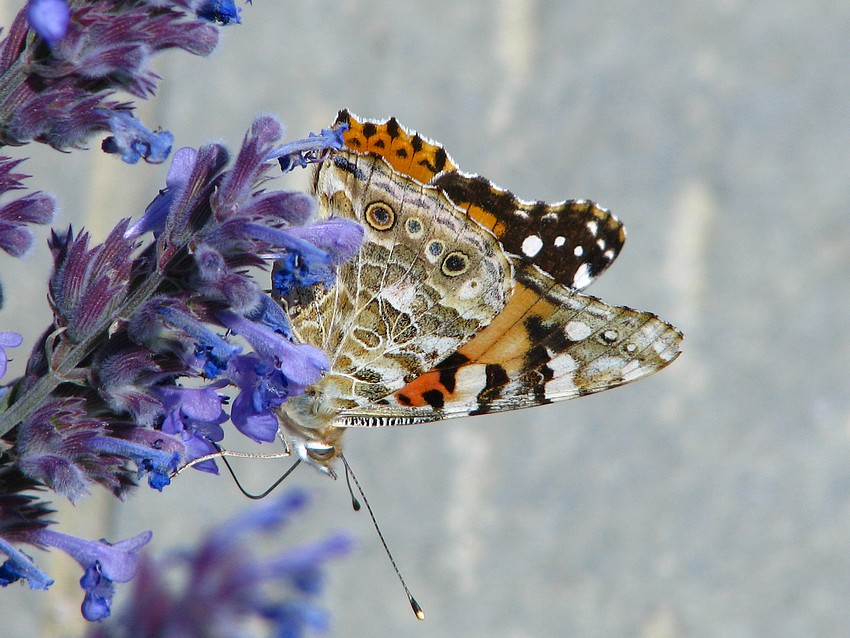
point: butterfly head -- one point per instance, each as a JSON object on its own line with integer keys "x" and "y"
{"x": 306, "y": 423}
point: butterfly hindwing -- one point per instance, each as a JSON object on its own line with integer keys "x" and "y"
{"x": 548, "y": 344}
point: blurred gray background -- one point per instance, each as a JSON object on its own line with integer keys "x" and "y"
{"x": 712, "y": 499}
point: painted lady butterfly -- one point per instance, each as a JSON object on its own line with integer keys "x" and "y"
{"x": 462, "y": 300}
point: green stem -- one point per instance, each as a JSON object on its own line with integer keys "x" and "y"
{"x": 36, "y": 396}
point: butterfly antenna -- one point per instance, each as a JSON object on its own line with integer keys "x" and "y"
{"x": 413, "y": 604}
{"x": 354, "y": 502}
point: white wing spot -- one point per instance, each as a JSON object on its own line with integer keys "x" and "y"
{"x": 582, "y": 277}
{"x": 560, "y": 241}
{"x": 601, "y": 244}
{"x": 562, "y": 365}
{"x": 578, "y": 251}
{"x": 593, "y": 227}
{"x": 577, "y": 330}
{"x": 610, "y": 336}
{"x": 531, "y": 245}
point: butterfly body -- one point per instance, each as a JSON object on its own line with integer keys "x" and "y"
{"x": 462, "y": 300}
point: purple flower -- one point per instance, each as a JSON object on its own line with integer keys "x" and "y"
{"x": 156, "y": 456}
{"x": 49, "y": 19}
{"x": 18, "y": 566}
{"x": 104, "y": 565}
{"x": 34, "y": 208}
{"x": 223, "y": 12}
{"x": 225, "y": 587}
{"x": 182, "y": 163}
{"x": 210, "y": 349}
{"x": 262, "y": 389}
{"x": 302, "y": 363}
{"x": 340, "y": 238}
{"x": 308, "y": 150}
{"x": 8, "y": 340}
{"x": 195, "y": 415}
{"x": 133, "y": 141}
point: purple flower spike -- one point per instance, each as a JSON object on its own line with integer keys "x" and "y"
{"x": 49, "y": 19}
{"x": 224, "y": 588}
{"x": 8, "y": 340}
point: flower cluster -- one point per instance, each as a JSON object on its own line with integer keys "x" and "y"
{"x": 126, "y": 382}
{"x": 225, "y": 589}
{"x": 61, "y": 62}
{"x": 151, "y": 326}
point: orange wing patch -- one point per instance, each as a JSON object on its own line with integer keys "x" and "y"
{"x": 574, "y": 241}
{"x": 548, "y": 344}
{"x": 504, "y": 342}
{"x": 408, "y": 153}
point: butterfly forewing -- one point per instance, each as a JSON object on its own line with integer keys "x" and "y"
{"x": 573, "y": 241}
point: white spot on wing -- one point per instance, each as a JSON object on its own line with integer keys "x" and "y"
{"x": 578, "y": 251}
{"x": 560, "y": 241}
{"x": 582, "y": 277}
{"x": 593, "y": 227}
{"x": 577, "y": 330}
{"x": 562, "y": 365}
{"x": 531, "y": 245}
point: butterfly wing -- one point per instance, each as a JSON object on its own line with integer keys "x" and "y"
{"x": 574, "y": 241}
{"x": 549, "y": 344}
{"x": 422, "y": 284}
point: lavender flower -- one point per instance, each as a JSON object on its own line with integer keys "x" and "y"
{"x": 118, "y": 388}
{"x": 7, "y": 340}
{"x": 228, "y": 589}
{"x": 60, "y": 94}
{"x": 49, "y": 19}
{"x": 104, "y": 565}
{"x": 34, "y": 208}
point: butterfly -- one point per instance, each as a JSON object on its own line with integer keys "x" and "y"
{"x": 462, "y": 300}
